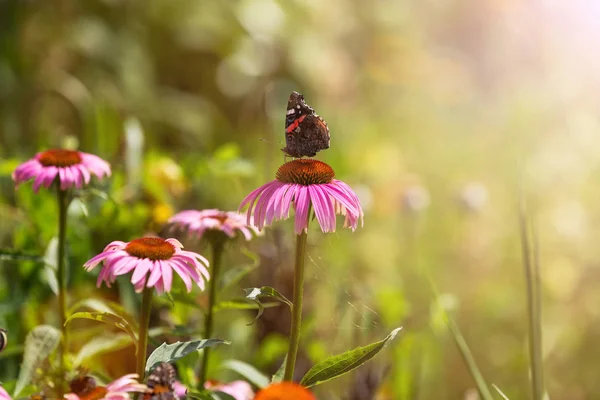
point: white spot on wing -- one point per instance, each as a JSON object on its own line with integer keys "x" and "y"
{"x": 290, "y": 111}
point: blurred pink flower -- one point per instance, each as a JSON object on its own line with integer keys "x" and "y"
{"x": 152, "y": 261}
{"x": 198, "y": 222}
{"x": 117, "y": 390}
{"x": 4, "y": 394}
{"x": 304, "y": 182}
{"x": 179, "y": 389}
{"x": 73, "y": 168}
{"x": 239, "y": 390}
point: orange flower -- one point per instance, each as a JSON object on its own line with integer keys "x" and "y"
{"x": 284, "y": 391}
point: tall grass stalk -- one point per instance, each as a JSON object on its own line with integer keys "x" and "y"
{"x": 529, "y": 252}
{"x": 461, "y": 343}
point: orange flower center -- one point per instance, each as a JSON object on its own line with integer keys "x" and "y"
{"x": 284, "y": 391}
{"x": 59, "y": 158}
{"x": 305, "y": 171}
{"x": 150, "y": 247}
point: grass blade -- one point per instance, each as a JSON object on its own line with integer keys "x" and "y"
{"x": 529, "y": 252}
{"x": 482, "y": 387}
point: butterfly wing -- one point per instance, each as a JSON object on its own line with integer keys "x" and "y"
{"x": 306, "y": 133}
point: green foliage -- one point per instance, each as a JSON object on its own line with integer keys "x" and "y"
{"x": 39, "y": 344}
{"x": 341, "y": 364}
{"x": 246, "y": 370}
{"x": 254, "y": 294}
{"x": 173, "y": 352}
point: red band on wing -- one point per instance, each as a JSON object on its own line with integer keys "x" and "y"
{"x": 295, "y": 124}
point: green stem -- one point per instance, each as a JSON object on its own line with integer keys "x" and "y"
{"x": 532, "y": 280}
{"x": 63, "y": 205}
{"x": 217, "y": 250}
{"x": 297, "y": 307}
{"x": 143, "y": 332}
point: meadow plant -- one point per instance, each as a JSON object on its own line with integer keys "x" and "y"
{"x": 63, "y": 170}
{"x": 308, "y": 185}
{"x": 151, "y": 261}
{"x": 217, "y": 227}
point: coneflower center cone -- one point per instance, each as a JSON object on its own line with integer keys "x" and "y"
{"x": 305, "y": 171}
{"x": 150, "y": 247}
{"x": 59, "y": 158}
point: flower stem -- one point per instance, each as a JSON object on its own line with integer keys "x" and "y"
{"x": 297, "y": 307}
{"x": 63, "y": 205}
{"x": 530, "y": 257}
{"x": 143, "y": 332}
{"x": 217, "y": 250}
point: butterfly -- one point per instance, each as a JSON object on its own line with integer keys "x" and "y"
{"x": 306, "y": 133}
{"x": 160, "y": 383}
{"x": 3, "y": 339}
{"x": 86, "y": 389}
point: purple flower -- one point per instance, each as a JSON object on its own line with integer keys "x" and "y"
{"x": 304, "y": 183}
{"x": 72, "y": 168}
{"x": 152, "y": 261}
{"x": 198, "y": 222}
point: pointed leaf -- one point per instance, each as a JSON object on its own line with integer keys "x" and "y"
{"x": 112, "y": 342}
{"x": 39, "y": 343}
{"x": 204, "y": 395}
{"x": 278, "y": 377}
{"x": 222, "y": 396}
{"x": 254, "y": 294}
{"x": 253, "y": 375}
{"x": 172, "y": 352}
{"x": 107, "y": 318}
{"x": 343, "y": 363}
{"x": 106, "y": 306}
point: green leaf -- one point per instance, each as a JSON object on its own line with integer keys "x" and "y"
{"x": 343, "y": 363}
{"x": 108, "y": 343}
{"x": 50, "y": 257}
{"x": 204, "y": 395}
{"x": 254, "y": 294}
{"x": 101, "y": 345}
{"x": 106, "y": 306}
{"x": 222, "y": 396}
{"x": 172, "y": 352}
{"x": 107, "y": 318}
{"x": 242, "y": 304}
{"x": 253, "y": 375}
{"x": 278, "y": 376}
{"x": 39, "y": 343}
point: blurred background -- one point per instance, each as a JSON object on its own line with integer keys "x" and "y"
{"x": 439, "y": 111}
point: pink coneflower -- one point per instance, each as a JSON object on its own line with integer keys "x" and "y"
{"x": 117, "y": 390}
{"x": 152, "y": 261}
{"x": 4, "y": 394}
{"x": 239, "y": 390}
{"x": 72, "y": 168}
{"x": 197, "y": 223}
{"x": 304, "y": 182}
